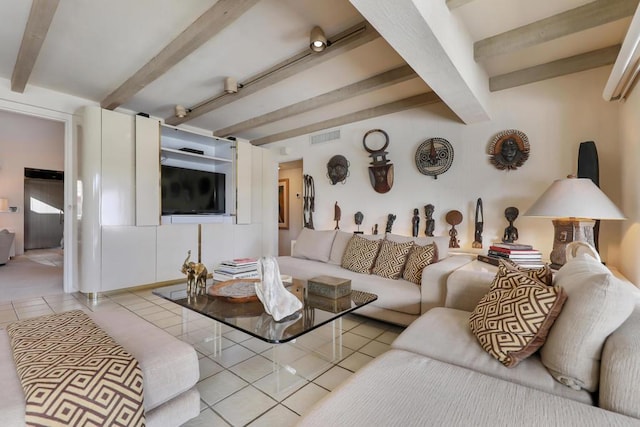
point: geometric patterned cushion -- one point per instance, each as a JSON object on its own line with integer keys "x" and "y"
{"x": 360, "y": 254}
{"x": 513, "y": 319}
{"x": 391, "y": 259}
{"x": 418, "y": 259}
{"x": 542, "y": 274}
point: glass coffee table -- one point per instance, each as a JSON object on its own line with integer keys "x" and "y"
{"x": 317, "y": 328}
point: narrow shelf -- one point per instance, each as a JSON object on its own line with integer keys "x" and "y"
{"x": 172, "y": 153}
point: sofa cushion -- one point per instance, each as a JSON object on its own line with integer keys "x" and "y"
{"x": 513, "y": 319}
{"x": 418, "y": 259}
{"x": 391, "y": 259}
{"x": 442, "y": 242}
{"x": 360, "y": 254}
{"x": 398, "y": 295}
{"x": 444, "y": 334}
{"x": 340, "y": 243}
{"x": 598, "y": 303}
{"x": 314, "y": 244}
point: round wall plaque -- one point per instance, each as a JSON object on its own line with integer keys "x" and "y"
{"x": 509, "y": 149}
{"x": 434, "y": 157}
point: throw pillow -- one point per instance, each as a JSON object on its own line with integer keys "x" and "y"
{"x": 360, "y": 254}
{"x": 542, "y": 274}
{"x": 598, "y": 304}
{"x": 513, "y": 319}
{"x": 314, "y": 244}
{"x": 339, "y": 246}
{"x": 418, "y": 259}
{"x": 442, "y": 242}
{"x": 391, "y": 259}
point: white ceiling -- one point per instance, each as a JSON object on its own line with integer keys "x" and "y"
{"x": 93, "y": 46}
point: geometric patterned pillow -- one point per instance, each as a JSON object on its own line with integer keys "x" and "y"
{"x": 418, "y": 259}
{"x": 512, "y": 320}
{"x": 360, "y": 254}
{"x": 391, "y": 259}
{"x": 542, "y": 274}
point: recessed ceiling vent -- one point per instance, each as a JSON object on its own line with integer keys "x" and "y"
{"x": 325, "y": 137}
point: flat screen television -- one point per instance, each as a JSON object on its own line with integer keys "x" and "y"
{"x": 188, "y": 191}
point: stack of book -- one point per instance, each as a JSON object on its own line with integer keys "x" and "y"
{"x": 239, "y": 268}
{"x": 521, "y": 254}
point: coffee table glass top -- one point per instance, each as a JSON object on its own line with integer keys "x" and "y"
{"x": 251, "y": 318}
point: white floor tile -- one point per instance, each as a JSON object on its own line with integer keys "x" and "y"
{"x": 355, "y": 361}
{"x": 388, "y": 337}
{"x": 353, "y": 341}
{"x": 374, "y": 348}
{"x": 219, "y": 386}
{"x": 280, "y": 416}
{"x": 367, "y": 331}
{"x": 208, "y": 368}
{"x": 244, "y": 406}
{"x": 253, "y": 368}
{"x": 207, "y": 418}
{"x": 304, "y": 398}
{"x": 333, "y": 378}
{"x": 233, "y": 355}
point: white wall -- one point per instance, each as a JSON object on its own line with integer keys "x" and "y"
{"x": 556, "y": 115}
{"x": 31, "y": 142}
{"x": 295, "y": 210}
{"x": 630, "y": 174}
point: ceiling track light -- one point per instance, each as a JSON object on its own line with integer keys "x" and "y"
{"x": 230, "y": 85}
{"x": 181, "y": 111}
{"x": 317, "y": 40}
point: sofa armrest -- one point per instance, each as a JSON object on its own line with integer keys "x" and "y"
{"x": 620, "y": 369}
{"x": 434, "y": 280}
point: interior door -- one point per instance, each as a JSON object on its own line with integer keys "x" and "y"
{"x": 43, "y": 213}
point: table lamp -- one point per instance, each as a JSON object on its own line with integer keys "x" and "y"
{"x": 574, "y": 203}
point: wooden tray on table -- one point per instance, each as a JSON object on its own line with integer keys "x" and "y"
{"x": 236, "y": 290}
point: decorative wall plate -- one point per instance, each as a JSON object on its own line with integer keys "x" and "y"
{"x": 434, "y": 157}
{"x": 509, "y": 149}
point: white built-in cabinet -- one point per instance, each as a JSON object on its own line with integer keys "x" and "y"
{"x": 123, "y": 240}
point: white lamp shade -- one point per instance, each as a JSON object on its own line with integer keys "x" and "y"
{"x": 4, "y": 204}
{"x": 574, "y": 198}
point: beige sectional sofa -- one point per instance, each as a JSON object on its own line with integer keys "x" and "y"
{"x": 436, "y": 372}
{"x": 169, "y": 369}
{"x": 318, "y": 253}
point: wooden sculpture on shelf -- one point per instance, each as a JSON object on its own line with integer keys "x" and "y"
{"x": 196, "y": 276}
{"x": 477, "y": 241}
{"x": 337, "y": 214}
{"x": 453, "y": 218}
{"x": 431, "y": 223}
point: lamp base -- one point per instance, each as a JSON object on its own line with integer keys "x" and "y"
{"x": 567, "y": 231}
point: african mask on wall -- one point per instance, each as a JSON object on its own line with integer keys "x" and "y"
{"x": 380, "y": 171}
{"x": 509, "y": 149}
{"x": 338, "y": 169}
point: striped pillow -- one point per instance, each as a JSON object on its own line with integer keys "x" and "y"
{"x": 391, "y": 259}
{"x": 419, "y": 258}
{"x": 512, "y": 320}
{"x": 360, "y": 254}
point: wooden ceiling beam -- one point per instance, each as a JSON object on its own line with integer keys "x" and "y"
{"x": 453, "y": 4}
{"x": 345, "y": 41}
{"x": 35, "y": 31}
{"x": 388, "y": 78}
{"x": 581, "y": 18}
{"x": 561, "y": 67}
{"x": 380, "y": 110}
{"x": 210, "y": 23}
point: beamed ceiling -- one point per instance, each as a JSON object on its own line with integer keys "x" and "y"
{"x": 383, "y": 56}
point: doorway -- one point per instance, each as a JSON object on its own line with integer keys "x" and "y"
{"x": 43, "y": 209}
{"x": 290, "y": 177}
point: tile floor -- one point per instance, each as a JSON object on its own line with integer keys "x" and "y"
{"x": 238, "y": 386}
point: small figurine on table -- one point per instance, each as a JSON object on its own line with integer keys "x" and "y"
{"x": 431, "y": 224}
{"x": 337, "y": 213}
{"x": 453, "y": 218}
{"x": 415, "y": 222}
{"x": 358, "y": 217}
{"x": 477, "y": 241}
{"x": 510, "y": 233}
{"x": 390, "y": 219}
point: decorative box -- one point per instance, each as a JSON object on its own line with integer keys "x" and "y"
{"x": 332, "y": 305}
{"x": 329, "y": 287}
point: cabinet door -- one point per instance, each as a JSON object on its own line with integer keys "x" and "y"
{"x": 243, "y": 182}
{"x": 147, "y": 162}
{"x": 174, "y": 240}
{"x": 118, "y": 176}
{"x": 128, "y": 257}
